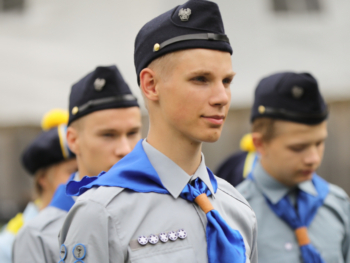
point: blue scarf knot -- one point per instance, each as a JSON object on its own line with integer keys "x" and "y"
{"x": 136, "y": 173}
{"x": 224, "y": 243}
{"x": 307, "y": 207}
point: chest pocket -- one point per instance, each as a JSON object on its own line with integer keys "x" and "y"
{"x": 179, "y": 251}
{"x": 181, "y": 255}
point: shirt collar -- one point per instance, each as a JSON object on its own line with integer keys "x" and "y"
{"x": 273, "y": 189}
{"x": 173, "y": 178}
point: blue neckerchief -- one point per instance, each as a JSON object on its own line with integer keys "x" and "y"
{"x": 136, "y": 173}
{"x": 60, "y": 199}
{"x": 308, "y": 206}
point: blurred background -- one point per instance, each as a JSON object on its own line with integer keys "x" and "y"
{"x": 47, "y": 45}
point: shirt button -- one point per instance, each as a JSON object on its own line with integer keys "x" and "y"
{"x": 163, "y": 237}
{"x": 153, "y": 239}
{"x": 182, "y": 234}
{"x": 142, "y": 240}
{"x": 288, "y": 246}
{"x": 172, "y": 236}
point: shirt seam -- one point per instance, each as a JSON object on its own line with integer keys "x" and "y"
{"x": 235, "y": 198}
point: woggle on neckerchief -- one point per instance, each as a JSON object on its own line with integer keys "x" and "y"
{"x": 307, "y": 206}
{"x": 136, "y": 173}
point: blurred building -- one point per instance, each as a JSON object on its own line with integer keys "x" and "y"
{"x": 47, "y": 45}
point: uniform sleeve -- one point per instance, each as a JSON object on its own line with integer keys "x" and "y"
{"x": 346, "y": 242}
{"x": 254, "y": 253}
{"x": 90, "y": 227}
{"x": 6, "y": 242}
{"x": 28, "y": 246}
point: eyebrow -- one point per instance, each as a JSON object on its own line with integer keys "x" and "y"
{"x": 135, "y": 128}
{"x": 207, "y": 73}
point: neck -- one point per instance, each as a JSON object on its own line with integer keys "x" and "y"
{"x": 45, "y": 199}
{"x": 82, "y": 172}
{"x": 182, "y": 151}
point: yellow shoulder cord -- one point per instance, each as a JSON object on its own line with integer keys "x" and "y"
{"x": 248, "y": 163}
{"x": 15, "y": 224}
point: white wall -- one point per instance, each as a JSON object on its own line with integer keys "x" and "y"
{"x": 53, "y": 43}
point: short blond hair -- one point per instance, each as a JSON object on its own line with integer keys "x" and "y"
{"x": 265, "y": 126}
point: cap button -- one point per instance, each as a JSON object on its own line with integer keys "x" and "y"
{"x": 156, "y": 47}
{"x": 261, "y": 109}
{"x": 75, "y": 110}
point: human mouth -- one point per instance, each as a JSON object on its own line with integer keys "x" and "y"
{"x": 307, "y": 172}
{"x": 215, "y": 119}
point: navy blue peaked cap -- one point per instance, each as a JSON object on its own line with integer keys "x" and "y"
{"x": 290, "y": 96}
{"x": 50, "y": 147}
{"x": 195, "y": 24}
{"x": 102, "y": 89}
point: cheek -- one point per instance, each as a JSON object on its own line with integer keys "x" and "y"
{"x": 184, "y": 107}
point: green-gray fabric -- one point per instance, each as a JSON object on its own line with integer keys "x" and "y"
{"x": 329, "y": 231}
{"x": 113, "y": 219}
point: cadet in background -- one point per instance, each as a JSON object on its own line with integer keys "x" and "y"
{"x": 104, "y": 126}
{"x": 301, "y": 217}
{"x": 237, "y": 166}
{"x": 50, "y": 162}
{"x": 160, "y": 203}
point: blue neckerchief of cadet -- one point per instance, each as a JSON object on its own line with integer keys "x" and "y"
{"x": 136, "y": 173}
{"x": 60, "y": 199}
{"x": 307, "y": 206}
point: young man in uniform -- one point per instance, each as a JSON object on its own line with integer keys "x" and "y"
{"x": 49, "y": 161}
{"x": 301, "y": 217}
{"x": 104, "y": 126}
{"x": 160, "y": 203}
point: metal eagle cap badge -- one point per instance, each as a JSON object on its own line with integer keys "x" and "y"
{"x": 184, "y": 14}
{"x": 297, "y": 92}
{"x": 99, "y": 84}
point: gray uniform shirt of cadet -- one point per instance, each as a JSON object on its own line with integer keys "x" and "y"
{"x": 109, "y": 220}
{"x": 329, "y": 231}
{"x": 37, "y": 241}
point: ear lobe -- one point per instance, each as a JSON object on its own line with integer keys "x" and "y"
{"x": 72, "y": 140}
{"x": 148, "y": 84}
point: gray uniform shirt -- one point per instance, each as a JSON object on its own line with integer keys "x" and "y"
{"x": 37, "y": 240}
{"x": 329, "y": 231}
{"x": 109, "y": 220}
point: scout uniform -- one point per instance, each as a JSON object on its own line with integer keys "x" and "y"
{"x": 237, "y": 167}
{"x": 104, "y": 88}
{"x": 309, "y": 223}
{"x": 146, "y": 208}
{"x": 47, "y": 149}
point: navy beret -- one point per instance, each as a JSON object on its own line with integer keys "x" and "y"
{"x": 195, "y": 24}
{"x": 102, "y": 89}
{"x": 290, "y": 96}
{"x": 49, "y": 148}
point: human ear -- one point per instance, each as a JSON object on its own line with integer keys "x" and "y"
{"x": 72, "y": 140}
{"x": 148, "y": 84}
{"x": 259, "y": 143}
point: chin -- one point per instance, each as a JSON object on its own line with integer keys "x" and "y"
{"x": 303, "y": 178}
{"x": 210, "y": 137}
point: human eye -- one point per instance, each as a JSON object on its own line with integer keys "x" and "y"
{"x": 320, "y": 143}
{"x": 107, "y": 135}
{"x": 200, "y": 79}
{"x": 227, "y": 81}
{"x": 133, "y": 133}
{"x": 297, "y": 148}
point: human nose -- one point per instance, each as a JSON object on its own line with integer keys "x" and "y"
{"x": 221, "y": 95}
{"x": 122, "y": 147}
{"x": 313, "y": 156}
